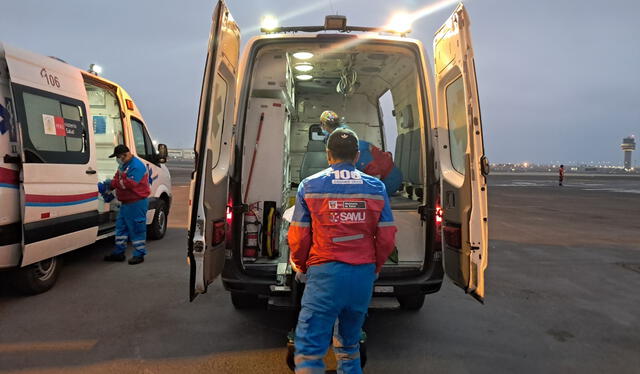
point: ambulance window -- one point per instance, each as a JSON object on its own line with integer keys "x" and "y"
{"x": 138, "y": 138}
{"x": 54, "y": 127}
{"x": 144, "y": 145}
{"x": 457, "y": 124}
{"x": 217, "y": 115}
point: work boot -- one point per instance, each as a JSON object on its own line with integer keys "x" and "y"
{"x": 135, "y": 260}
{"x": 114, "y": 257}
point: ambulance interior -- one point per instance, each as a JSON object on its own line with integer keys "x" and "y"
{"x": 105, "y": 117}
{"x": 374, "y": 87}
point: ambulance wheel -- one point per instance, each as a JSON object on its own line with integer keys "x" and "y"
{"x": 37, "y": 278}
{"x": 291, "y": 350}
{"x": 244, "y": 300}
{"x": 411, "y": 302}
{"x": 158, "y": 226}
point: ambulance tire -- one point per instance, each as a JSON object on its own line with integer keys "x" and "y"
{"x": 158, "y": 226}
{"x": 245, "y": 300}
{"x": 411, "y": 302}
{"x": 37, "y": 278}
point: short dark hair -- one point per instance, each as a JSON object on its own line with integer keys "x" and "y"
{"x": 343, "y": 144}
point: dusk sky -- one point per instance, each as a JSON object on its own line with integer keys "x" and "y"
{"x": 558, "y": 79}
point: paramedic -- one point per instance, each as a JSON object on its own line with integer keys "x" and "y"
{"x": 353, "y": 234}
{"x": 561, "y": 175}
{"x": 372, "y": 160}
{"x": 131, "y": 183}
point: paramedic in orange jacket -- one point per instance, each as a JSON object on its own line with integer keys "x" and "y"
{"x": 341, "y": 233}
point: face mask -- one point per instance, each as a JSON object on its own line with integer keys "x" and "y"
{"x": 119, "y": 161}
{"x": 325, "y": 133}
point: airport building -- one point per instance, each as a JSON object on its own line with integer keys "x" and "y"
{"x": 182, "y": 154}
{"x": 628, "y": 146}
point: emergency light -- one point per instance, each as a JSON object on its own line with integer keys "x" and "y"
{"x": 269, "y": 23}
{"x": 95, "y": 69}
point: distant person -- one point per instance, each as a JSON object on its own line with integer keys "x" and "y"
{"x": 561, "y": 175}
{"x": 372, "y": 161}
{"x": 131, "y": 184}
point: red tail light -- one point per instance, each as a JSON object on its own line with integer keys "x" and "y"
{"x": 229, "y": 225}
{"x": 453, "y": 236}
{"x": 219, "y": 229}
{"x": 229, "y": 214}
{"x": 438, "y": 219}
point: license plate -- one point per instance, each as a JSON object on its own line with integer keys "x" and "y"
{"x": 383, "y": 289}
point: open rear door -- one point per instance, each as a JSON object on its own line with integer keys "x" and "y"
{"x": 213, "y": 146}
{"x": 463, "y": 165}
{"x": 59, "y": 195}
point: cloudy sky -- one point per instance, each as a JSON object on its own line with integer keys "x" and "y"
{"x": 558, "y": 79}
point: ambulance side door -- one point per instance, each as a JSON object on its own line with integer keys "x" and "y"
{"x": 463, "y": 164}
{"x": 59, "y": 194}
{"x": 213, "y": 146}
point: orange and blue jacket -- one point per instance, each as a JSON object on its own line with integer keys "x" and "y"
{"x": 341, "y": 214}
{"x": 131, "y": 181}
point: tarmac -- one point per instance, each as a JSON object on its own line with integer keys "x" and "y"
{"x": 562, "y": 297}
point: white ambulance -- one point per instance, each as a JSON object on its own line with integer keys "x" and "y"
{"x": 58, "y": 125}
{"x": 259, "y": 136}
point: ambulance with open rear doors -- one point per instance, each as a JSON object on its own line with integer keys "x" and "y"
{"x": 259, "y": 136}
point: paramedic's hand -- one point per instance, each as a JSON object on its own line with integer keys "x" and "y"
{"x": 301, "y": 277}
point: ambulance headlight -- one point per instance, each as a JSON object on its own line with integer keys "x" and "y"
{"x": 400, "y": 23}
{"x": 95, "y": 69}
{"x": 269, "y": 23}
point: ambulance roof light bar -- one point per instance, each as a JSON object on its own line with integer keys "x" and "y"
{"x": 332, "y": 23}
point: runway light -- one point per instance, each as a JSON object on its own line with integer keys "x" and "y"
{"x": 95, "y": 69}
{"x": 304, "y": 77}
{"x": 304, "y": 67}
{"x": 269, "y": 23}
{"x": 303, "y": 55}
{"x": 400, "y": 23}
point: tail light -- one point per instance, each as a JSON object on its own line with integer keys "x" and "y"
{"x": 453, "y": 236}
{"x": 219, "y": 230}
{"x": 438, "y": 219}
{"x": 229, "y": 225}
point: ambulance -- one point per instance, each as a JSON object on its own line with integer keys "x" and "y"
{"x": 58, "y": 126}
{"x": 259, "y": 136}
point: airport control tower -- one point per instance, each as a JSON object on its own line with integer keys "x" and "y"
{"x": 628, "y": 146}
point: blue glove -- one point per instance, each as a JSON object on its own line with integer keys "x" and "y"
{"x": 102, "y": 188}
{"x": 108, "y": 197}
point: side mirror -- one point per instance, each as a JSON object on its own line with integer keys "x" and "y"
{"x": 162, "y": 153}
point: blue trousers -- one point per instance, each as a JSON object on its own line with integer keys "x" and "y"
{"x": 131, "y": 225}
{"x": 334, "y": 290}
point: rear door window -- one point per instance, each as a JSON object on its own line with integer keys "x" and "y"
{"x": 54, "y": 127}
{"x": 457, "y": 124}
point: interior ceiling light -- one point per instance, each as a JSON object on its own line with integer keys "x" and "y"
{"x": 304, "y": 67}
{"x": 303, "y": 55}
{"x": 304, "y": 77}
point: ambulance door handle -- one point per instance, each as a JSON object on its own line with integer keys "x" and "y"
{"x": 90, "y": 171}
